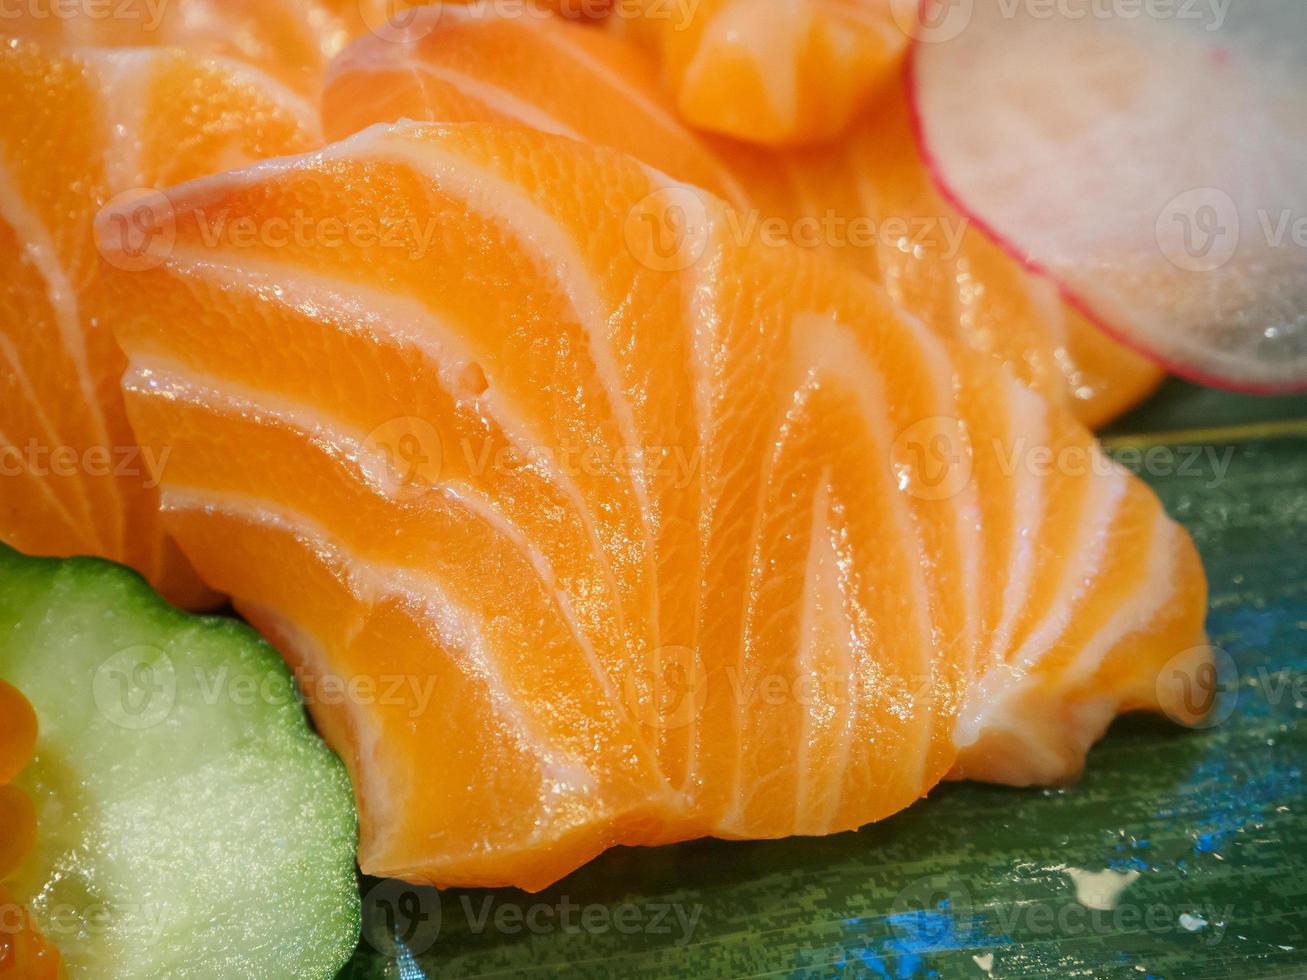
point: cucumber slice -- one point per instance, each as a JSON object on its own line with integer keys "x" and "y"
{"x": 190, "y": 824}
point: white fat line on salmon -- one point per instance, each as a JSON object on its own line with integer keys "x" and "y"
{"x": 458, "y": 629}
{"x": 493, "y": 97}
{"x": 18, "y": 375}
{"x": 304, "y": 110}
{"x": 412, "y": 235}
{"x": 1099, "y": 511}
{"x": 1158, "y": 588}
{"x": 122, "y": 78}
{"x": 549, "y": 244}
{"x": 826, "y": 582}
{"x": 72, "y": 523}
{"x": 1011, "y": 709}
{"x": 492, "y": 914}
{"x": 352, "y": 308}
{"x": 162, "y": 378}
{"x": 703, "y": 304}
{"x": 1287, "y": 225}
{"x": 826, "y": 348}
{"x": 1211, "y": 12}
{"x": 358, "y": 311}
{"x": 39, "y": 251}
{"x": 990, "y": 692}
{"x": 1026, "y": 412}
{"x": 361, "y": 311}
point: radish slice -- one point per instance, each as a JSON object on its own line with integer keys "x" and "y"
{"x": 1148, "y": 155}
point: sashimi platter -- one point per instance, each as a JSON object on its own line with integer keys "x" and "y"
{"x": 653, "y": 488}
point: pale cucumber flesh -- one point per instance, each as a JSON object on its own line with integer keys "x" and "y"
{"x": 190, "y": 822}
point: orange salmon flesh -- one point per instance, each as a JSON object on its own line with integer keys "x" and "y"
{"x": 616, "y": 528}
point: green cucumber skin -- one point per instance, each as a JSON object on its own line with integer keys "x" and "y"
{"x": 211, "y": 833}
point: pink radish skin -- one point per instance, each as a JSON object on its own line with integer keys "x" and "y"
{"x": 1280, "y": 294}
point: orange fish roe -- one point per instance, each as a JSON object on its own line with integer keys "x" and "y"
{"x": 24, "y": 953}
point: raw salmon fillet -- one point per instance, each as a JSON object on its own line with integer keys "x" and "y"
{"x": 866, "y": 198}
{"x": 76, "y": 129}
{"x": 775, "y": 73}
{"x": 290, "y": 40}
{"x": 584, "y": 524}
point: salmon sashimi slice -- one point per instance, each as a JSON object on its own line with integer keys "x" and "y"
{"x": 474, "y": 63}
{"x": 76, "y": 129}
{"x": 868, "y": 199}
{"x": 777, "y": 74}
{"x": 942, "y": 267}
{"x": 290, "y": 40}
{"x": 648, "y": 535}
